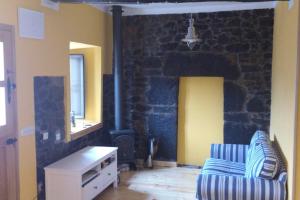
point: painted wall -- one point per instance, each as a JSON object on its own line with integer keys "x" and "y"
{"x": 79, "y": 23}
{"x": 200, "y": 118}
{"x": 49, "y": 116}
{"x": 284, "y": 72}
{"x": 297, "y": 177}
{"x": 93, "y": 82}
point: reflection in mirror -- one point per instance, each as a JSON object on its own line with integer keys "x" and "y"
{"x": 2, "y": 107}
{"x": 1, "y": 62}
{"x": 77, "y": 87}
{"x": 85, "y": 89}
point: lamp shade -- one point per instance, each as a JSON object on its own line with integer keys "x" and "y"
{"x": 191, "y": 37}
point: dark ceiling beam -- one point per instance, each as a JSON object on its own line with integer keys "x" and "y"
{"x": 146, "y": 1}
{"x": 96, "y": 1}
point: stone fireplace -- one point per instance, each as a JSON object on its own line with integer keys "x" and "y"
{"x": 236, "y": 45}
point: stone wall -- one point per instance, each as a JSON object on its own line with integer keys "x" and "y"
{"x": 235, "y": 45}
{"x": 49, "y": 116}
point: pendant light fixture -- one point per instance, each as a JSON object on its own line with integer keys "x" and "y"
{"x": 191, "y": 37}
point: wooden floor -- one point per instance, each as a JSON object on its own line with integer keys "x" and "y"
{"x": 156, "y": 184}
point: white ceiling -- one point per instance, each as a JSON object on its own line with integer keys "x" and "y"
{"x": 178, "y": 8}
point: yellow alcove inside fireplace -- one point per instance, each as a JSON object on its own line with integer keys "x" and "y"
{"x": 200, "y": 118}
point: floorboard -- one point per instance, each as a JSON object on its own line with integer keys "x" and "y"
{"x": 176, "y": 183}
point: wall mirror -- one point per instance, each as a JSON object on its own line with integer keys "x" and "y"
{"x": 77, "y": 86}
{"x": 85, "y": 90}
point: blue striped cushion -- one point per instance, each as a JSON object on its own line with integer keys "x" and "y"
{"x": 257, "y": 137}
{"x": 214, "y": 187}
{"x": 263, "y": 162}
{"x": 223, "y": 167}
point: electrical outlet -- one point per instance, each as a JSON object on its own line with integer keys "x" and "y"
{"x": 57, "y": 136}
{"x": 45, "y": 135}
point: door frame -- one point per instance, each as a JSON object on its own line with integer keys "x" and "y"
{"x": 11, "y": 30}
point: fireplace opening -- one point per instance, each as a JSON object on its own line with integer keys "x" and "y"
{"x": 200, "y": 118}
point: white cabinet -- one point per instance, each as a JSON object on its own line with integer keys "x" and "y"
{"x": 82, "y": 175}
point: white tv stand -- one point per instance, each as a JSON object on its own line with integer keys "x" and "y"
{"x": 82, "y": 175}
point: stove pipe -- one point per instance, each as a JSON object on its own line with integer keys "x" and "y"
{"x": 121, "y": 138}
{"x": 117, "y": 62}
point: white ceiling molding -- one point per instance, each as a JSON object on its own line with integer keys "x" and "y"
{"x": 78, "y": 45}
{"x": 180, "y": 8}
{"x": 50, "y": 4}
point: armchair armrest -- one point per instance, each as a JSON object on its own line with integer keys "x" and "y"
{"x": 210, "y": 187}
{"x": 230, "y": 152}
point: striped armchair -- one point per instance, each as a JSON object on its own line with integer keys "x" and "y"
{"x": 243, "y": 172}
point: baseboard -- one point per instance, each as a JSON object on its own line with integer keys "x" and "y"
{"x": 139, "y": 163}
{"x": 189, "y": 166}
{"x": 157, "y": 163}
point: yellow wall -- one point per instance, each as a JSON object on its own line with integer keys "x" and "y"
{"x": 200, "y": 118}
{"x": 93, "y": 82}
{"x": 297, "y": 169}
{"x": 49, "y": 57}
{"x": 297, "y": 181}
{"x": 283, "y": 106}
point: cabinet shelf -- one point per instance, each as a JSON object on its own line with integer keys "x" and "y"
{"x": 89, "y": 176}
{"x": 108, "y": 161}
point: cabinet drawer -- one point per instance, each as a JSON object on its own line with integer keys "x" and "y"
{"x": 92, "y": 189}
{"x": 108, "y": 174}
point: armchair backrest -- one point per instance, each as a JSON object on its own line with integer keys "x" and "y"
{"x": 282, "y": 171}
